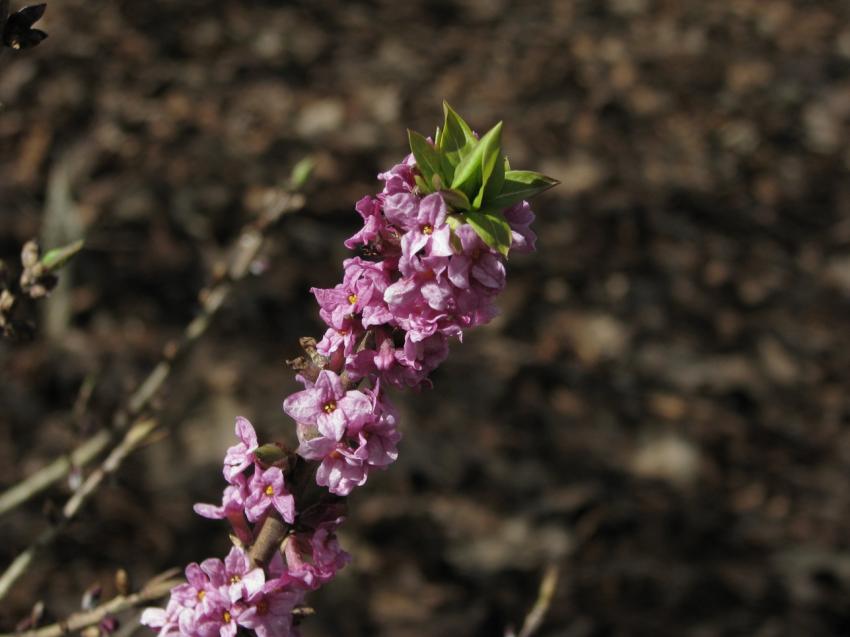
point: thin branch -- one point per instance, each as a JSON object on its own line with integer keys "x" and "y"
{"x": 134, "y": 437}
{"x": 55, "y": 471}
{"x": 245, "y": 251}
{"x": 154, "y": 589}
{"x": 247, "y": 248}
{"x": 535, "y": 616}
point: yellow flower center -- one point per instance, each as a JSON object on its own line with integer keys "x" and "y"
{"x": 329, "y": 407}
{"x": 352, "y": 298}
{"x": 427, "y": 229}
{"x": 227, "y": 617}
{"x": 270, "y": 490}
{"x": 234, "y": 579}
{"x": 202, "y": 594}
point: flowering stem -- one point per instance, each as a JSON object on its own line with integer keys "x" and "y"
{"x": 435, "y": 242}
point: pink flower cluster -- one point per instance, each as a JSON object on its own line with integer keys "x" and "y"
{"x": 350, "y": 433}
{"x": 389, "y": 322}
{"x": 426, "y": 277}
{"x": 220, "y": 597}
{"x": 432, "y": 277}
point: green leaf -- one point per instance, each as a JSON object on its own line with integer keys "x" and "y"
{"x": 456, "y": 199}
{"x": 493, "y": 177}
{"x": 475, "y": 169}
{"x": 492, "y": 228}
{"x": 456, "y": 137}
{"x": 427, "y": 157}
{"x": 301, "y": 173}
{"x": 519, "y": 185}
{"x": 56, "y": 258}
{"x": 491, "y": 166}
{"x": 447, "y": 166}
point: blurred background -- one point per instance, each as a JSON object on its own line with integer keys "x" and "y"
{"x": 661, "y": 410}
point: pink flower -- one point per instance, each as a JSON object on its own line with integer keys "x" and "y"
{"x": 219, "y": 597}
{"x": 401, "y": 209}
{"x": 165, "y": 619}
{"x": 236, "y": 575}
{"x": 194, "y": 593}
{"x": 339, "y": 470}
{"x": 328, "y": 406}
{"x": 342, "y": 339}
{"x": 360, "y": 294}
{"x": 195, "y": 608}
{"x": 241, "y": 456}
{"x": 232, "y": 508}
{"x": 269, "y": 611}
{"x": 315, "y": 560}
{"x": 366, "y": 281}
{"x": 374, "y": 223}
{"x": 476, "y": 263}
{"x": 346, "y": 463}
{"x": 378, "y": 438}
{"x": 399, "y": 178}
{"x": 427, "y": 229}
{"x": 267, "y": 489}
{"x": 519, "y": 217}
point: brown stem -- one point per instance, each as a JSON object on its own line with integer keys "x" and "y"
{"x": 272, "y": 533}
{"x": 152, "y": 591}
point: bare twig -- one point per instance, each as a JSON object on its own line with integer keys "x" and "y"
{"x": 55, "y": 471}
{"x": 247, "y": 248}
{"x": 535, "y": 616}
{"x": 245, "y": 251}
{"x": 134, "y": 437}
{"x": 153, "y": 590}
